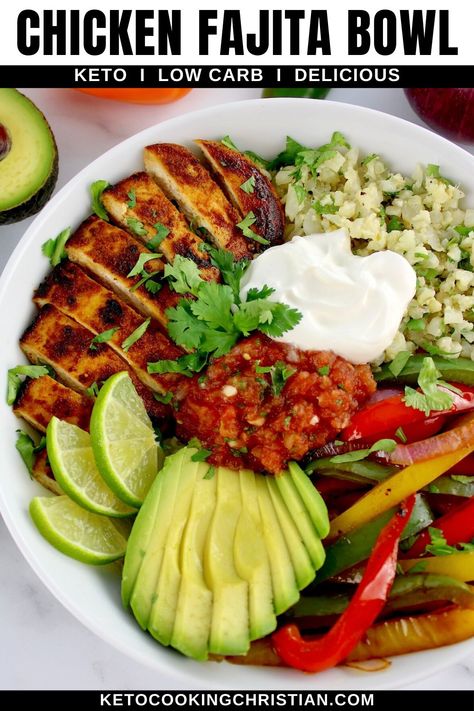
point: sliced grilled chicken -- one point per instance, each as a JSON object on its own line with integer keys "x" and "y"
{"x": 109, "y": 253}
{"x": 70, "y": 290}
{"x": 234, "y": 170}
{"x": 40, "y": 399}
{"x": 184, "y": 179}
{"x": 43, "y": 473}
{"x": 60, "y": 342}
{"x": 138, "y": 205}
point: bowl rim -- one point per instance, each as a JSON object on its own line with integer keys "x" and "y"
{"x": 181, "y": 672}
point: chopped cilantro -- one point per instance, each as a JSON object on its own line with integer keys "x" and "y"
{"x": 157, "y": 239}
{"x": 329, "y": 209}
{"x": 462, "y": 479}
{"x": 300, "y": 191}
{"x": 245, "y": 225}
{"x": 368, "y": 159}
{"x": 185, "y": 365}
{"x": 229, "y": 143}
{"x": 137, "y": 227}
{"x": 258, "y": 160}
{"x": 103, "y": 337}
{"x": 135, "y": 335}
{"x": 432, "y": 171}
{"x": 96, "y": 190}
{"x": 27, "y": 449}
{"x": 132, "y": 199}
{"x": 249, "y": 185}
{"x": 324, "y": 370}
{"x": 14, "y": 378}
{"x": 164, "y": 399}
{"x": 280, "y": 374}
{"x": 210, "y": 472}
{"x": 401, "y": 435}
{"x": 92, "y": 390}
{"x": 463, "y": 230}
{"x": 439, "y": 546}
{"x": 140, "y": 263}
{"x": 54, "y": 248}
{"x": 288, "y": 156}
{"x": 395, "y": 224}
{"x": 399, "y": 362}
{"x": 147, "y": 279}
{"x": 382, "y": 445}
{"x": 431, "y": 396}
{"x": 416, "y": 324}
{"x": 201, "y": 455}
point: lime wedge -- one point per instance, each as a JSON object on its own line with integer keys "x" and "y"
{"x": 123, "y": 440}
{"x": 72, "y": 461}
{"x": 76, "y": 532}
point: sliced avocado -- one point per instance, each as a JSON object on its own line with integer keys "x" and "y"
{"x": 302, "y": 565}
{"x": 144, "y": 590}
{"x": 301, "y": 518}
{"x": 285, "y": 589}
{"x": 139, "y": 539}
{"x": 312, "y": 499}
{"x": 230, "y": 613}
{"x": 251, "y": 559}
{"x": 165, "y": 599}
{"x": 28, "y": 158}
{"x": 192, "y": 624}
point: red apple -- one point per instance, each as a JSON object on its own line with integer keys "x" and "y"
{"x": 448, "y": 111}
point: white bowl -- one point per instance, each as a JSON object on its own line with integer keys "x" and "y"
{"x": 93, "y": 595}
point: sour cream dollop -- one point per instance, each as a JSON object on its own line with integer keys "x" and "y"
{"x": 351, "y": 305}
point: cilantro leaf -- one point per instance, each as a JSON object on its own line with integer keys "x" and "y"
{"x": 185, "y": 365}
{"x": 399, "y": 362}
{"x": 329, "y": 209}
{"x": 324, "y": 370}
{"x": 135, "y": 335}
{"x": 92, "y": 390}
{"x": 54, "y": 248}
{"x": 288, "y": 156}
{"x": 96, "y": 190}
{"x": 433, "y": 171}
{"x": 245, "y": 225}
{"x": 284, "y": 318}
{"x": 300, "y": 191}
{"x": 14, "y": 378}
{"x": 401, "y": 435}
{"x": 231, "y": 270}
{"x": 183, "y": 327}
{"x": 249, "y": 185}
{"x": 140, "y": 263}
{"x": 431, "y": 396}
{"x": 253, "y": 314}
{"x": 210, "y": 472}
{"x": 218, "y": 342}
{"x": 157, "y": 239}
{"x": 369, "y": 158}
{"x": 26, "y": 448}
{"x": 103, "y": 337}
{"x": 395, "y": 224}
{"x": 253, "y": 294}
{"x": 132, "y": 199}
{"x": 258, "y": 160}
{"x": 185, "y": 276}
{"x": 280, "y": 374}
{"x": 137, "y": 227}
{"x": 382, "y": 445}
{"x": 164, "y": 399}
{"x": 214, "y": 305}
{"x": 464, "y": 231}
{"x": 439, "y": 545}
{"x": 229, "y": 143}
{"x": 201, "y": 455}
{"x": 416, "y": 324}
{"x": 152, "y": 286}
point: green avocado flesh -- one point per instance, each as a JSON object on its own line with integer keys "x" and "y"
{"x": 214, "y": 557}
{"x": 29, "y": 169}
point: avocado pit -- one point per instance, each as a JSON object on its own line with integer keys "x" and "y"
{"x": 5, "y": 142}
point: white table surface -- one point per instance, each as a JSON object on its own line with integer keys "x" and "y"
{"x": 43, "y": 646}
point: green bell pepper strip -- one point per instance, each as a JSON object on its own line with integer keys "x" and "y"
{"x": 360, "y": 472}
{"x": 408, "y": 591}
{"x": 357, "y": 545}
{"x": 308, "y": 92}
{"x": 449, "y": 484}
{"x": 458, "y": 370}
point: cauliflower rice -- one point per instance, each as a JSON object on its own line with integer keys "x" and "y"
{"x": 415, "y": 217}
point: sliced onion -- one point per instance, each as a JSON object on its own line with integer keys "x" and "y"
{"x": 369, "y": 665}
{"x": 459, "y": 437}
{"x": 382, "y": 394}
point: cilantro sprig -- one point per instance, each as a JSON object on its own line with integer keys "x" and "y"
{"x": 215, "y": 318}
{"x": 431, "y": 397}
{"x": 14, "y": 378}
{"x": 245, "y": 225}
{"x": 96, "y": 190}
{"x": 103, "y": 337}
{"x": 54, "y": 248}
{"x": 439, "y": 545}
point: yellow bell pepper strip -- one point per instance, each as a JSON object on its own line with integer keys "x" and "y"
{"x": 414, "y": 634}
{"x": 393, "y": 490}
{"x": 365, "y": 606}
{"x": 458, "y": 565}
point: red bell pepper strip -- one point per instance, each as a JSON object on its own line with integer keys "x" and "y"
{"x": 465, "y": 466}
{"x": 457, "y": 526}
{"x": 364, "y": 607}
{"x": 382, "y": 419}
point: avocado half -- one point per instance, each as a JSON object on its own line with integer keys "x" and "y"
{"x": 28, "y": 158}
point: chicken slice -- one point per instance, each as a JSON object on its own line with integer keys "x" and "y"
{"x": 184, "y": 179}
{"x": 42, "y": 398}
{"x": 234, "y": 170}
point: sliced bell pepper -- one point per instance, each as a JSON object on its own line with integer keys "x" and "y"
{"x": 383, "y": 418}
{"x": 458, "y": 565}
{"x": 393, "y": 490}
{"x": 363, "y": 609}
{"x": 457, "y": 526}
{"x": 459, "y": 370}
{"x": 357, "y": 545}
{"x": 466, "y": 466}
{"x": 413, "y": 634}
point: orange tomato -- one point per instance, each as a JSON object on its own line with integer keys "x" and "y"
{"x": 139, "y": 96}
